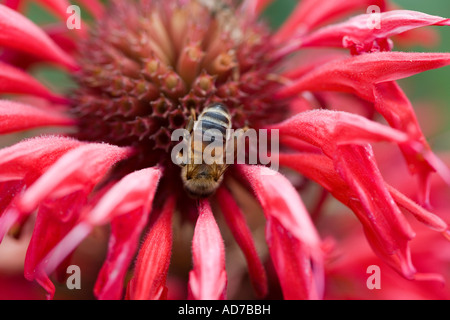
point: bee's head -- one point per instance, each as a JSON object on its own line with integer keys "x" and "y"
{"x": 201, "y": 183}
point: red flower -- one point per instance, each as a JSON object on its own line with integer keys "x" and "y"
{"x": 141, "y": 71}
{"x": 347, "y": 273}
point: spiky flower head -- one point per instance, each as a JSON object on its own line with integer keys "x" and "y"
{"x": 148, "y": 66}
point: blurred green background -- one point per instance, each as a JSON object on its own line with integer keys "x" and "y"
{"x": 431, "y": 86}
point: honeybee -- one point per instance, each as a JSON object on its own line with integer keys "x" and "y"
{"x": 200, "y": 179}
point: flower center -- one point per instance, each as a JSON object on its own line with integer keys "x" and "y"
{"x": 146, "y": 68}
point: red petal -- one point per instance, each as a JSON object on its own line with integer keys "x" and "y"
{"x": 312, "y": 13}
{"x": 134, "y": 191}
{"x": 359, "y": 74}
{"x": 321, "y": 169}
{"x": 357, "y": 33}
{"x": 129, "y": 217}
{"x": 208, "y": 279}
{"x": 241, "y": 232}
{"x": 62, "y": 37}
{"x": 61, "y": 193}
{"x": 392, "y": 103}
{"x": 316, "y": 167}
{"x": 329, "y": 129}
{"x": 364, "y": 192}
{"x": 127, "y": 204}
{"x": 428, "y": 38}
{"x": 356, "y": 164}
{"x": 123, "y": 243}
{"x": 298, "y": 145}
{"x": 13, "y": 4}
{"x": 8, "y": 191}
{"x": 299, "y": 273}
{"x": 20, "y": 33}
{"x": 360, "y": 186}
{"x": 49, "y": 230}
{"x": 21, "y": 165}
{"x": 59, "y": 33}
{"x": 30, "y": 158}
{"x": 17, "y": 116}
{"x": 152, "y": 265}
{"x": 424, "y": 216}
{"x": 394, "y": 106}
{"x": 345, "y": 102}
{"x": 79, "y": 169}
{"x": 310, "y": 61}
{"x": 13, "y": 80}
{"x": 288, "y": 224}
{"x": 400, "y": 260}
{"x": 285, "y": 206}
{"x": 18, "y": 59}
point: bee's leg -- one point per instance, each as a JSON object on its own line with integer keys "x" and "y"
{"x": 186, "y": 139}
{"x": 191, "y": 121}
{"x": 190, "y": 126}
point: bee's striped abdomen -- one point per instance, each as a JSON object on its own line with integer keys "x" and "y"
{"x": 214, "y": 117}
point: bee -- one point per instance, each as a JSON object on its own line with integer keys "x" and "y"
{"x": 200, "y": 179}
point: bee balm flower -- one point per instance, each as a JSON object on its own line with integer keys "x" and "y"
{"x": 141, "y": 71}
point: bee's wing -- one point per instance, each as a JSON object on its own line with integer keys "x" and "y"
{"x": 219, "y": 169}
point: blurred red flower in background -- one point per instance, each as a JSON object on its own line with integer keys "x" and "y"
{"x": 141, "y": 67}
{"x": 346, "y": 268}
